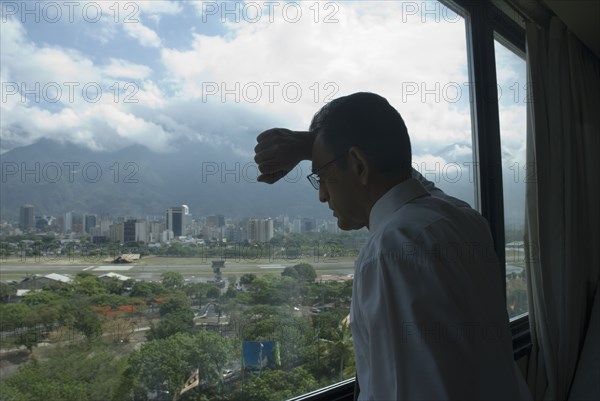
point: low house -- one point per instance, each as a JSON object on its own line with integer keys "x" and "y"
{"x": 127, "y": 258}
{"x": 111, "y": 276}
{"x": 37, "y": 281}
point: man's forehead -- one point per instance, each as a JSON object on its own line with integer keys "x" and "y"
{"x": 320, "y": 152}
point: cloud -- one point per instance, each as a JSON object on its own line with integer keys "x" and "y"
{"x": 275, "y": 71}
{"x": 144, "y": 35}
{"x": 118, "y": 68}
{"x": 368, "y": 48}
{"x": 58, "y": 105}
{"x": 153, "y": 7}
{"x": 27, "y": 62}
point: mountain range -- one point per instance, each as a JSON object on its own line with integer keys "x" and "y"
{"x": 137, "y": 182}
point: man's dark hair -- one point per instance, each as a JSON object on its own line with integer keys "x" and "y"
{"x": 370, "y": 123}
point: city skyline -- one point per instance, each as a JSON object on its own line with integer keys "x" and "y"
{"x": 150, "y": 229}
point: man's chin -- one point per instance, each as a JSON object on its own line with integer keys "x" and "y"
{"x": 347, "y": 226}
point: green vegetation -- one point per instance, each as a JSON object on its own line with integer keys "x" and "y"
{"x": 92, "y": 325}
{"x": 33, "y": 249}
{"x": 75, "y": 373}
{"x": 516, "y": 295}
{"x": 134, "y": 340}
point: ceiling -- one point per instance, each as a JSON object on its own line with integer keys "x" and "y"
{"x": 582, "y": 17}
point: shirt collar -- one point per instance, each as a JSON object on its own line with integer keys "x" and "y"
{"x": 393, "y": 200}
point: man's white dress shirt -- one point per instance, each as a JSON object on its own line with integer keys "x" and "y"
{"x": 428, "y": 316}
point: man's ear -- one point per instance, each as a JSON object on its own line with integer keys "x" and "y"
{"x": 359, "y": 164}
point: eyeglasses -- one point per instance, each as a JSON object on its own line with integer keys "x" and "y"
{"x": 314, "y": 178}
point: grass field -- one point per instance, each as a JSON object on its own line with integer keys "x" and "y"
{"x": 152, "y": 266}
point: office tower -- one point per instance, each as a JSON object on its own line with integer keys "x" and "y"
{"x": 26, "y": 220}
{"x": 141, "y": 231}
{"x": 116, "y": 232}
{"x": 129, "y": 231}
{"x": 90, "y": 221}
{"x": 215, "y": 220}
{"x": 259, "y": 230}
{"x": 178, "y": 219}
{"x": 73, "y": 222}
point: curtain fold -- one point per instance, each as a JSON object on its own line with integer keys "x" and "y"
{"x": 562, "y": 227}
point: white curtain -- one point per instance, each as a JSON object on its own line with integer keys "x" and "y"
{"x": 562, "y": 212}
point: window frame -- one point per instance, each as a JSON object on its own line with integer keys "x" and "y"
{"x": 484, "y": 23}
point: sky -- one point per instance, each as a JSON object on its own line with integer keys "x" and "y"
{"x": 110, "y": 74}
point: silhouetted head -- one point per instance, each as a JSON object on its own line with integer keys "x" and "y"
{"x": 361, "y": 150}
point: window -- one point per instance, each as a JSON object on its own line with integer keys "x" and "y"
{"x": 127, "y": 131}
{"x": 511, "y": 77}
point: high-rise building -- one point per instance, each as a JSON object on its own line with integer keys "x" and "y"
{"x": 234, "y": 233}
{"x": 68, "y": 221}
{"x": 41, "y": 223}
{"x": 215, "y": 220}
{"x": 26, "y": 220}
{"x": 73, "y": 222}
{"x": 129, "y": 231}
{"x": 259, "y": 230}
{"x": 141, "y": 231}
{"x": 105, "y": 226}
{"x": 155, "y": 231}
{"x": 331, "y": 226}
{"x": 116, "y": 232}
{"x": 178, "y": 219}
{"x": 296, "y": 226}
{"x": 309, "y": 225}
{"x": 89, "y": 222}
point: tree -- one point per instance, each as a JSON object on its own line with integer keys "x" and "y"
{"x": 276, "y": 385}
{"x": 113, "y": 286}
{"x": 81, "y": 317}
{"x": 175, "y": 304}
{"x": 6, "y": 292}
{"x": 109, "y": 299}
{"x": 176, "y": 317}
{"x": 267, "y": 290}
{"x": 516, "y": 289}
{"x": 172, "y": 280}
{"x": 341, "y": 349}
{"x": 14, "y": 316}
{"x": 196, "y": 291}
{"x": 290, "y": 271}
{"x": 74, "y": 373}
{"x": 44, "y": 297}
{"x": 213, "y": 292}
{"x": 147, "y": 290}
{"x": 306, "y": 272}
{"x": 275, "y": 323}
{"x": 88, "y": 285}
{"x": 247, "y": 278}
{"x": 29, "y": 338}
{"x": 165, "y": 364}
{"x": 173, "y": 323}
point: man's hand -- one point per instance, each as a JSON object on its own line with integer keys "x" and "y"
{"x": 279, "y": 150}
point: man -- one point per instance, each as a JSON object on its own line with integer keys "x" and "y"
{"x": 428, "y": 317}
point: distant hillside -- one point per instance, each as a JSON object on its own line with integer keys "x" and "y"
{"x": 135, "y": 181}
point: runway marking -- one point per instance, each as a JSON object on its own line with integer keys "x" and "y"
{"x": 113, "y": 268}
{"x": 89, "y": 268}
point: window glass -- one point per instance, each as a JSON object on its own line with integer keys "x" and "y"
{"x": 512, "y": 107}
{"x": 135, "y": 240}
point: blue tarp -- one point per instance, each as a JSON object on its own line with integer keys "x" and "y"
{"x": 256, "y": 351}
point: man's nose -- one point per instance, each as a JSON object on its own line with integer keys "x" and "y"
{"x": 323, "y": 194}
